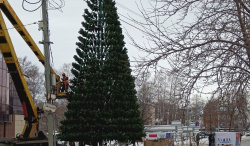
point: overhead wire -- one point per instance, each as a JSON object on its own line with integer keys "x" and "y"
{"x": 126, "y": 8}
{"x": 144, "y": 31}
{"x": 62, "y": 4}
{"x": 132, "y": 25}
{"x": 145, "y": 28}
{"x": 23, "y": 25}
{"x": 58, "y": 7}
{"x": 33, "y": 3}
{"x": 130, "y": 19}
{"x": 51, "y": 3}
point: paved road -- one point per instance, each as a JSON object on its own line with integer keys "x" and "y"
{"x": 245, "y": 141}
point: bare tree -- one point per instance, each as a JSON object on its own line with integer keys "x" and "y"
{"x": 65, "y": 68}
{"x": 34, "y": 79}
{"x": 235, "y": 106}
{"x": 205, "y": 42}
{"x": 196, "y": 106}
{"x": 147, "y": 106}
{"x": 154, "y": 92}
{"x": 227, "y": 112}
{"x": 210, "y": 115}
{"x": 242, "y": 114}
{"x": 161, "y": 94}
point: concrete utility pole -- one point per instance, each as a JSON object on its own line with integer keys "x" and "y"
{"x": 46, "y": 43}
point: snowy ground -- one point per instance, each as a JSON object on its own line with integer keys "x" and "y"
{"x": 203, "y": 142}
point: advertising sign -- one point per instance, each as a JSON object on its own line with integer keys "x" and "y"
{"x": 165, "y": 138}
{"x": 227, "y": 138}
{"x": 159, "y": 135}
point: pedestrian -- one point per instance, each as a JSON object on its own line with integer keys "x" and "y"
{"x": 65, "y": 83}
{"x": 210, "y": 139}
{"x": 197, "y": 139}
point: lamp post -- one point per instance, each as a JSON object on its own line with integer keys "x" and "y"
{"x": 168, "y": 121}
{"x": 201, "y": 122}
{"x": 218, "y": 117}
{"x": 210, "y": 124}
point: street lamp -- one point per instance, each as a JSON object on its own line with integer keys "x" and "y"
{"x": 168, "y": 121}
{"x": 210, "y": 124}
{"x": 218, "y": 117}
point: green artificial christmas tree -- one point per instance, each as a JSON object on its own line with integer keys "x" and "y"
{"x": 103, "y": 104}
{"x": 126, "y": 122}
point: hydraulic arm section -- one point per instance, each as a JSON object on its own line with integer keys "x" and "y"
{"x": 30, "y": 110}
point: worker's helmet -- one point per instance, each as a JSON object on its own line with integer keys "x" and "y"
{"x": 63, "y": 74}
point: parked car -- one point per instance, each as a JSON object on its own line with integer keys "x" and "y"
{"x": 202, "y": 134}
{"x": 247, "y": 133}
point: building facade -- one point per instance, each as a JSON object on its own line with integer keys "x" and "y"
{"x": 11, "y": 114}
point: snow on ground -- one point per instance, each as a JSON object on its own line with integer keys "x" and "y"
{"x": 203, "y": 141}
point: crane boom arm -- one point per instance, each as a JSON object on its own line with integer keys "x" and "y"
{"x": 11, "y": 60}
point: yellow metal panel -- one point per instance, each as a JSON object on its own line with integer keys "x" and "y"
{"x": 17, "y": 27}
{"x": 4, "y": 47}
{"x": 1, "y": 33}
{"x": 32, "y": 48}
{"x": 34, "y": 132}
{"x": 24, "y": 128}
{"x": 25, "y": 38}
{"x": 9, "y": 60}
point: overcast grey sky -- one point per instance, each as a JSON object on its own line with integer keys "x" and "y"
{"x": 64, "y": 26}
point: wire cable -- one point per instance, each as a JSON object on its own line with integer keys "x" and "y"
{"x": 58, "y": 7}
{"x": 30, "y": 3}
{"x": 133, "y": 26}
{"x": 23, "y": 25}
{"x": 126, "y": 8}
{"x": 52, "y": 4}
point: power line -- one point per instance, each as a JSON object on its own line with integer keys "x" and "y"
{"x": 58, "y": 7}
{"x": 23, "y": 25}
{"x": 32, "y": 4}
{"x": 134, "y": 20}
{"x": 52, "y": 6}
{"x": 129, "y": 9}
{"x": 132, "y": 25}
{"x": 131, "y": 19}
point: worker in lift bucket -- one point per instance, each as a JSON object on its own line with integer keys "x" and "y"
{"x": 65, "y": 83}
